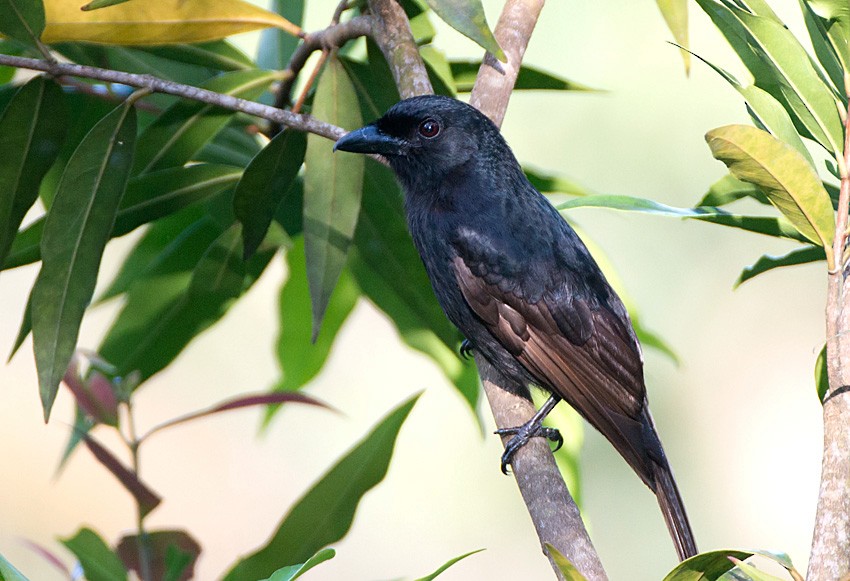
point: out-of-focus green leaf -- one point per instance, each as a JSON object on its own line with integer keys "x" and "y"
{"x": 782, "y": 67}
{"x": 325, "y": 513}
{"x": 753, "y": 573}
{"x": 730, "y": 189}
{"x": 95, "y": 4}
{"x": 162, "y": 315}
{"x": 446, "y": 565}
{"x": 468, "y": 18}
{"x": 552, "y": 183}
{"x": 566, "y": 568}
{"x": 22, "y": 20}
{"x": 675, "y": 13}
{"x": 631, "y": 204}
{"x": 389, "y": 271}
{"x": 706, "y": 566}
{"x": 293, "y": 572}
{"x": 439, "y": 70}
{"x": 32, "y": 128}
{"x": 786, "y": 178}
{"x": 97, "y": 559}
{"x": 161, "y": 22}
{"x": 8, "y": 572}
{"x": 185, "y": 128}
{"x": 276, "y": 47}
{"x": 821, "y": 375}
{"x": 528, "y": 79}
{"x": 333, "y": 186}
{"x": 75, "y": 234}
{"x": 767, "y": 112}
{"x": 218, "y": 54}
{"x": 266, "y": 180}
{"x": 24, "y": 329}
{"x": 300, "y": 360}
{"x": 767, "y": 262}
{"x": 826, "y": 52}
{"x": 835, "y": 18}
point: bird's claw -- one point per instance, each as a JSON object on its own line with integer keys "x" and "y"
{"x": 521, "y": 435}
{"x": 465, "y": 349}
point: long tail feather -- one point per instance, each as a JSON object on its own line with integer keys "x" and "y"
{"x": 673, "y": 510}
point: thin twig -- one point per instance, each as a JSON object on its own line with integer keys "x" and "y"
{"x": 294, "y": 120}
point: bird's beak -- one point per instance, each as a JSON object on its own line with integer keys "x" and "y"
{"x": 369, "y": 139}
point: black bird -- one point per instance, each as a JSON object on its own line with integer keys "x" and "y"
{"x": 518, "y": 282}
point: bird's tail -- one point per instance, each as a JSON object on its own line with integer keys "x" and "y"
{"x": 673, "y": 510}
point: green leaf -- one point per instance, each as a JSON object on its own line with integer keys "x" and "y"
{"x": 552, "y": 183}
{"x": 706, "y": 566}
{"x": 767, "y": 262}
{"x": 333, "y": 186}
{"x": 276, "y": 46}
{"x": 767, "y": 112}
{"x": 95, "y": 4}
{"x": 8, "y": 572}
{"x": 566, "y": 568}
{"x": 161, "y": 315}
{"x": 373, "y": 81}
{"x": 825, "y": 50}
{"x": 172, "y": 554}
{"x": 730, "y": 189}
{"x": 675, "y": 13}
{"x": 835, "y": 18}
{"x": 32, "y": 128}
{"x": 22, "y": 20}
{"x": 265, "y": 182}
{"x": 631, "y": 204}
{"x": 218, "y": 54}
{"x": 300, "y": 360}
{"x": 388, "y": 269}
{"x": 821, "y": 375}
{"x": 753, "y": 573}
{"x": 181, "y": 131}
{"x": 786, "y": 178}
{"x": 528, "y": 79}
{"x": 325, "y": 513}
{"x": 75, "y": 233}
{"x": 439, "y": 70}
{"x": 445, "y": 566}
{"x": 97, "y": 559}
{"x": 468, "y": 18}
{"x": 24, "y": 329}
{"x": 293, "y": 572}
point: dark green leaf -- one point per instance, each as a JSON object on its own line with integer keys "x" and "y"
{"x": 730, "y": 189}
{"x": 675, "y": 13}
{"x": 333, "y": 186}
{"x": 373, "y": 81}
{"x": 835, "y": 18}
{"x": 300, "y": 360}
{"x": 25, "y": 327}
{"x": 528, "y": 79}
{"x": 791, "y": 184}
{"x": 325, "y": 513}
{"x": 277, "y": 46}
{"x": 31, "y": 132}
{"x": 8, "y": 572}
{"x": 468, "y": 18}
{"x": 218, "y": 54}
{"x": 438, "y": 70}
{"x": 95, "y": 4}
{"x": 767, "y": 262}
{"x": 706, "y": 566}
{"x": 97, "y": 559}
{"x": 821, "y": 375}
{"x": 181, "y": 131}
{"x": 236, "y": 145}
{"x": 826, "y": 52}
{"x": 266, "y": 180}
{"x": 22, "y": 20}
{"x": 293, "y": 572}
{"x": 566, "y": 568}
{"x": 445, "y": 566}
{"x": 551, "y": 183}
{"x": 161, "y": 315}
{"x": 75, "y": 234}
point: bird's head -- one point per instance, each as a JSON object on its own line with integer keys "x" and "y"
{"x": 424, "y": 138}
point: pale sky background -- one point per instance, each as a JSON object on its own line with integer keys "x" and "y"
{"x": 739, "y": 416}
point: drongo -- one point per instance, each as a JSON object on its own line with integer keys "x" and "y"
{"x": 518, "y": 282}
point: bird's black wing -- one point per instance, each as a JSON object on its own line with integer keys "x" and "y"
{"x": 575, "y": 341}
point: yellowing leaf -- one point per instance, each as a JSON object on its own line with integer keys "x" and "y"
{"x": 782, "y": 173}
{"x": 160, "y": 22}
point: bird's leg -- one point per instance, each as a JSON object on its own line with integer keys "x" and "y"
{"x": 533, "y": 428}
{"x": 465, "y": 349}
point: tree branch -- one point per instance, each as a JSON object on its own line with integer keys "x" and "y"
{"x": 830, "y": 556}
{"x": 293, "y": 120}
{"x": 391, "y": 31}
{"x": 552, "y": 509}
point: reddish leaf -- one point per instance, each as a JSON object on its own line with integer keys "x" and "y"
{"x": 145, "y": 497}
{"x": 48, "y": 556}
{"x": 159, "y": 543}
{"x": 95, "y": 396}
{"x": 273, "y": 398}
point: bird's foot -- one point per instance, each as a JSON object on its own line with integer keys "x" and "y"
{"x": 522, "y": 434}
{"x": 465, "y": 349}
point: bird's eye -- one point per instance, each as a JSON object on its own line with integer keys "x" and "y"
{"x": 429, "y": 128}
